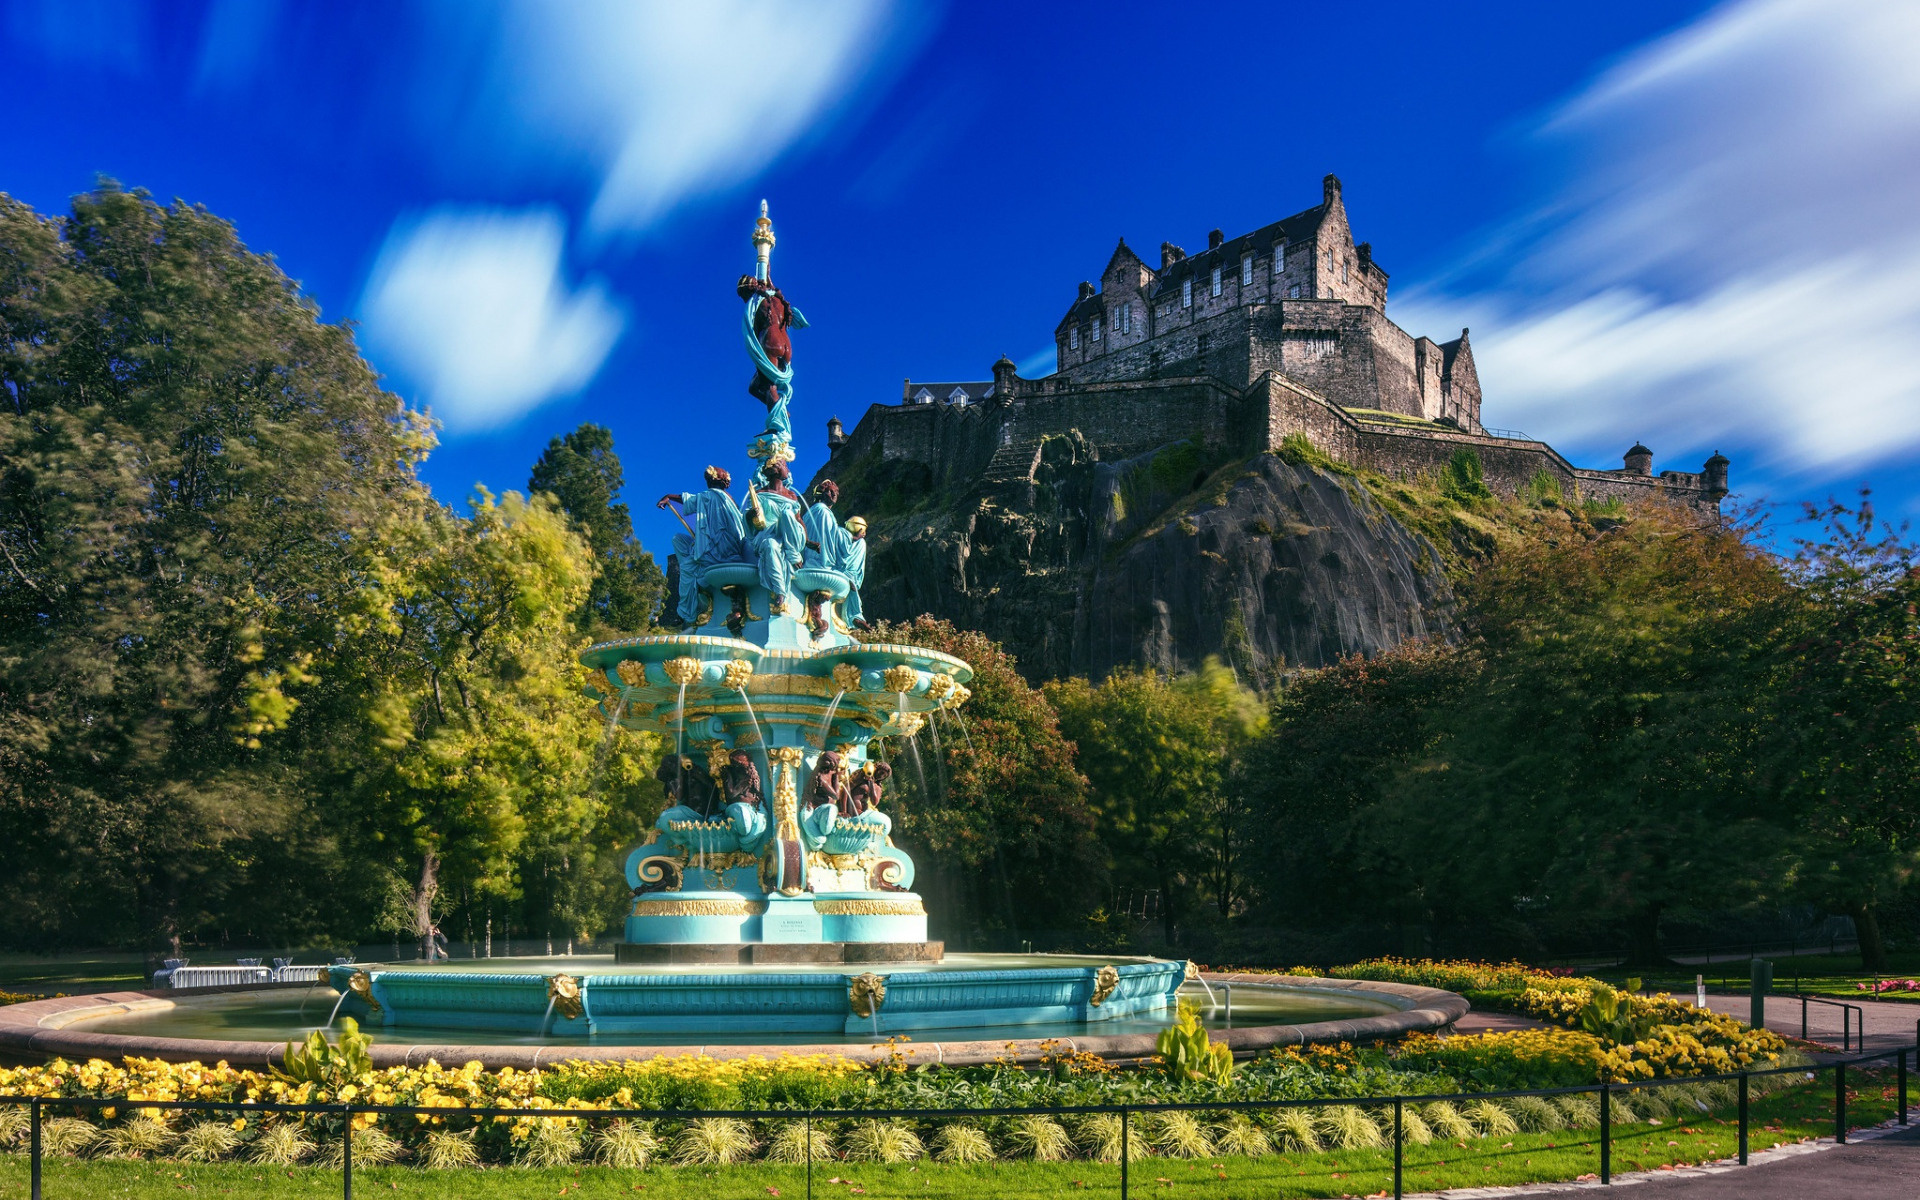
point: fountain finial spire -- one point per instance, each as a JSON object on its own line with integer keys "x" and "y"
{"x": 762, "y": 243}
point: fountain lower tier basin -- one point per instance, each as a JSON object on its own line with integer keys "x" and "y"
{"x": 797, "y": 1000}
{"x": 249, "y": 1027}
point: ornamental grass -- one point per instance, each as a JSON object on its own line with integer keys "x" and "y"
{"x": 1241, "y": 1134}
{"x": 450, "y": 1149}
{"x": 1039, "y": 1138}
{"x": 959, "y": 1143}
{"x": 628, "y": 1144}
{"x": 282, "y": 1145}
{"x": 208, "y": 1141}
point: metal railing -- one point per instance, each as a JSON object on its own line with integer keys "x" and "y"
{"x": 1126, "y": 1112}
{"x": 1850, "y": 1014}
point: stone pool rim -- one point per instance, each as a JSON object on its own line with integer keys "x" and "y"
{"x": 38, "y": 1031}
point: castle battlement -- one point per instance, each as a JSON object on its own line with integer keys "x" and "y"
{"x": 1277, "y": 332}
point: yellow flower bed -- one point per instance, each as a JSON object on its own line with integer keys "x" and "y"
{"x": 431, "y": 1086}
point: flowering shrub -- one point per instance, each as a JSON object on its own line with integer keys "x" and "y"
{"x": 1882, "y": 986}
{"x": 1518, "y": 1059}
{"x": 1454, "y": 976}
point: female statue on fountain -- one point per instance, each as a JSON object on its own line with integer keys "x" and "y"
{"x": 843, "y": 800}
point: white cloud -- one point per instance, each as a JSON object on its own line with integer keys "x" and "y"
{"x": 471, "y": 307}
{"x": 1732, "y": 255}
{"x": 669, "y": 100}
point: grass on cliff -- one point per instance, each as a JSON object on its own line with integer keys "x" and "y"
{"x": 1456, "y": 510}
{"x": 1781, "y": 1118}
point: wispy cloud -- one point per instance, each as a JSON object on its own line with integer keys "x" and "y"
{"x": 1731, "y": 255}
{"x": 471, "y": 307}
{"x": 664, "y": 100}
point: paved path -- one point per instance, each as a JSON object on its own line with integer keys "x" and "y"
{"x": 1889, "y": 1024}
{"x": 1874, "y": 1163}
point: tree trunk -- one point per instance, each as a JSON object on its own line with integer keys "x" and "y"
{"x": 1166, "y": 909}
{"x": 1643, "y": 937}
{"x": 1873, "y": 950}
{"x": 423, "y": 897}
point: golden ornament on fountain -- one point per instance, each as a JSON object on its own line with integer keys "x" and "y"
{"x": 631, "y": 673}
{"x": 901, "y": 678}
{"x": 683, "y": 670}
{"x": 938, "y": 687}
{"x": 564, "y": 991}
{"x": 846, "y": 677}
{"x": 738, "y": 672}
{"x": 909, "y": 723}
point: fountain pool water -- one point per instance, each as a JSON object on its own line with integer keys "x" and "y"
{"x": 276, "y": 1016}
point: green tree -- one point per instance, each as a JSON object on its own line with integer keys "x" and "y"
{"x": 582, "y": 472}
{"x": 1159, "y": 755}
{"x": 1004, "y": 818}
{"x": 479, "y": 763}
{"x": 192, "y": 463}
{"x": 1337, "y": 745}
{"x": 1844, "y": 717}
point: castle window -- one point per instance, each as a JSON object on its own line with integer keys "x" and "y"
{"x": 1329, "y": 261}
{"x": 1293, "y": 293}
{"x": 923, "y": 396}
{"x": 1216, "y": 281}
{"x": 1123, "y": 320}
{"x": 1073, "y": 338}
{"x": 1279, "y": 257}
{"x": 958, "y": 396}
{"x": 1343, "y": 272}
{"x": 1246, "y": 270}
{"x": 1096, "y": 327}
{"x": 1186, "y": 293}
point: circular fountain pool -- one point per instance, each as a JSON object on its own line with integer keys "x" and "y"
{"x": 249, "y": 1026}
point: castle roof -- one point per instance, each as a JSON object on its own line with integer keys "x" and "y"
{"x": 1300, "y": 227}
{"x": 946, "y": 393}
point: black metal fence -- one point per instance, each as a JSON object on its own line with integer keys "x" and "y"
{"x": 1126, "y": 1113}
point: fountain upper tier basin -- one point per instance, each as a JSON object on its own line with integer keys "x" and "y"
{"x": 875, "y": 682}
{"x": 572, "y": 998}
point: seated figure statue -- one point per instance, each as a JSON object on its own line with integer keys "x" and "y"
{"x": 826, "y": 798}
{"x": 718, "y": 536}
{"x": 844, "y": 819}
{"x": 778, "y": 542}
{"x": 693, "y": 797}
{"x": 826, "y": 541}
{"x": 746, "y": 805}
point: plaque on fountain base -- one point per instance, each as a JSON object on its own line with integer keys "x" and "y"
{"x": 791, "y": 919}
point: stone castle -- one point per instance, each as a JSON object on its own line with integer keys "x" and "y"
{"x": 1276, "y": 332}
{"x": 1125, "y": 510}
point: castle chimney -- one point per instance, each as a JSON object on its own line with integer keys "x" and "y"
{"x": 1170, "y": 254}
{"x": 1714, "y": 475}
{"x": 1214, "y": 239}
{"x": 906, "y": 390}
{"x": 836, "y": 435}
{"x": 1086, "y": 290}
{"x": 1639, "y": 460}
{"x": 1365, "y": 250}
{"x": 1330, "y": 190}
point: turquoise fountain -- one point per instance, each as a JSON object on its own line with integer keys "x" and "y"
{"x": 773, "y": 866}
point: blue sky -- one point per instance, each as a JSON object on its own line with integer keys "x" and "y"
{"x": 1683, "y": 223}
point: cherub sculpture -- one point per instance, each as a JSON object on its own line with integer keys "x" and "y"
{"x": 863, "y": 792}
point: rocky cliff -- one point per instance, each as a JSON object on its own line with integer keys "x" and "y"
{"x": 1081, "y": 566}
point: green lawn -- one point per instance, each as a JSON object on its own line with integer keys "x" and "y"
{"x": 1782, "y": 1118}
{"x": 1816, "y": 974}
{"x": 40, "y": 973}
